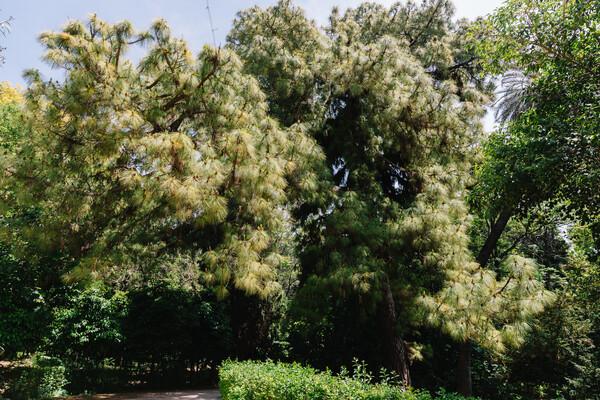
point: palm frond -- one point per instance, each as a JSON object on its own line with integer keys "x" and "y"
{"x": 513, "y": 98}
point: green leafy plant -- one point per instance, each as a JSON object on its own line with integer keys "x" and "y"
{"x": 45, "y": 378}
{"x": 269, "y": 380}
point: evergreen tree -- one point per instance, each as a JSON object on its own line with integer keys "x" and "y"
{"x": 393, "y": 98}
{"x": 124, "y": 163}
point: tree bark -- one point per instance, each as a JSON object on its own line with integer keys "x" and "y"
{"x": 465, "y": 386}
{"x": 394, "y": 354}
{"x": 492, "y": 240}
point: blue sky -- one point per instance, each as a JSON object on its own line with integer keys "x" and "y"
{"x": 187, "y": 19}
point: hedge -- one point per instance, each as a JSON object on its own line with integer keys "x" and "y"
{"x": 253, "y": 380}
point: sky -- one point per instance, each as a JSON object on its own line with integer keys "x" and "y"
{"x": 187, "y": 18}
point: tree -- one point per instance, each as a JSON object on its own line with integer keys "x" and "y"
{"x": 393, "y": 97}
{"x": 4, "y": 27}
{"x": 547, "y": 153}
{"x": 544, "y": 153}
{"x": 11, "y": 102}
{"x": 124, "y": 163}
{"x": 23, "y": 318}
{"x": 513, "y": 100}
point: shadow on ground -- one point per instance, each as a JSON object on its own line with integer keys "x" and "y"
{"x": 207, "y": 394}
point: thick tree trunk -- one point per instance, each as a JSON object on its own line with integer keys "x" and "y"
{"x": 492, "y": 240}
{"x": 465, "y": 386}
{"x": 394, "y": 354}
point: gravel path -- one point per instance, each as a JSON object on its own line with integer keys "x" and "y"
{"x": 207, "y": 394}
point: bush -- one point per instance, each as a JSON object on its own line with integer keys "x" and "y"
{"x": 159, "y": 335}
{"x": 86, "y": 330}
{"x": 24, "y": 315}
{"x": 45, "y": 378}
{"x": 266, "y": 381}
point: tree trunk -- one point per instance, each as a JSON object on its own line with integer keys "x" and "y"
{"x": 465, "y": 387}
{"x": 394, "y": 353}
{"x": 492, "y": 239}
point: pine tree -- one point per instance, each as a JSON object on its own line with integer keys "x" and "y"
{"x": 393, "y": 98}
{"x": 125, "y": 163}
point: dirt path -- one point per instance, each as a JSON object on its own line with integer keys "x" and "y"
{"x": 207, "y": 394}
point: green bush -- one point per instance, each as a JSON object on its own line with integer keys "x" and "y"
{"x": 252, "y": 380}
{"x": 24, "y": 315}
{"x": 87, "y": 329}
{"x": 45, "y": 378}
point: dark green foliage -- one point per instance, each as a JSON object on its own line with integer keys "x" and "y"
{"x": 559, "y": 356}
{"x": 265, "y": 381}
{"x": 256, "y": 326}
{"x": 24, "y": 314}
{"x": 548, "y": 152}
{"x": 9, "y": 124}
{"x": 334, "y": 336}
{"x": 558, "y": 359}
{"x": 87, "y": 329}
{"x": 46, "y": 377}
{"x": 175, "y": 329}
{"x": 159, "y": 335}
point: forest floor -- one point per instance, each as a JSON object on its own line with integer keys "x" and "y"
{"x": 206, "y": 394}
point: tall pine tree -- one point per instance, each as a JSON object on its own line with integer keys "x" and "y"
{"x": 124, "y": 163}
{"x": 395, "y": 99}
{"x": 391, "y": 96}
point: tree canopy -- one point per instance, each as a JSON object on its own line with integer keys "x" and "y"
{"x": 347, "y": 163}
{"x": 123, "y": 163}
{"x": 548, "y": 152}
{"x": 395, "y": 99}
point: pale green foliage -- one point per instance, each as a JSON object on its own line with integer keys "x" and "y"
{"x": 392, "y": 90}
{"x": 119, "y": 155}
{"x": 402, "y": 108}
{"x": 493, "y": 312}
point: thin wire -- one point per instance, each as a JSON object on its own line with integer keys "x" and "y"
{"x": 212, "y": 28}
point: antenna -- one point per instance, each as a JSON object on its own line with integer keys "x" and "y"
{"x": 212, "y": 28}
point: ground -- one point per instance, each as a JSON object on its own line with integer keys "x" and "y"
{"x": 206, "y": 394}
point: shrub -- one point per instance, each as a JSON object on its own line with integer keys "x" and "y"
{"x": 45, "y": 378}
{"x": 86, "y": 330}
{"x": 252, "y": 380}
{"x": 24, "y": 315}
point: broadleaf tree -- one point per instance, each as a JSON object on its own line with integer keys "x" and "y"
{"x": 543, "y": 155}
{"x": 547, "y": 153}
